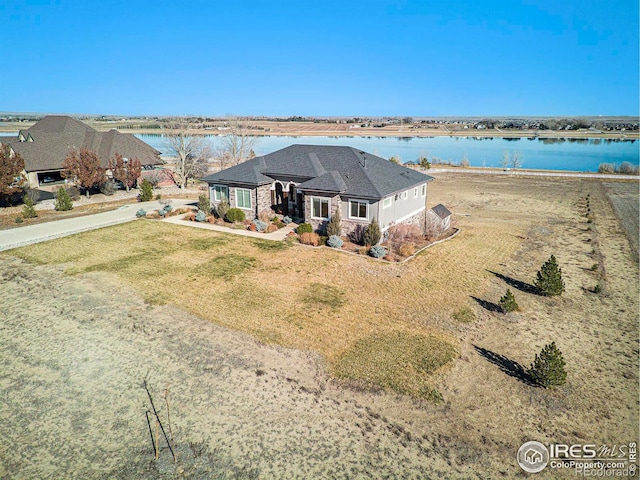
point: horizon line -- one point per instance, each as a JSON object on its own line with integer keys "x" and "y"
{"x": 267, "y": 117}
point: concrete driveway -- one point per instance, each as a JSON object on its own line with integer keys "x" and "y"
{"x": 17, "y": 237}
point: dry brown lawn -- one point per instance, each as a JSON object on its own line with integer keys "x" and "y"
{"x": 333, "y": 304}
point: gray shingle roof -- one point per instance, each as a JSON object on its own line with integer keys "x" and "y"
{"x": 328, "y": 169}
{"x": 328, "y": 182}
{"x": 55, "y": 135}
{"x": 248, "y": 172}
{"x": 441, "y": 211}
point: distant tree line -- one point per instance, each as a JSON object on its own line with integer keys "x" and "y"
{"x": 604, "y": 124}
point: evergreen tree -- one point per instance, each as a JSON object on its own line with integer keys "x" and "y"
{"x": 508, "y": 302}
{"x": 222, "y": 209}
{"x": 63, "y": 200}
{"x": 547, "y": 370}
{"x": 204, "y": 203}
{"x": 28, "y": 211}
{"x": 334, "y": 227}
{"x": 372, "y": 234}
{"x": 146, "y": 191}
{"x": 549, "y": 279}
{"x": 425, "y": 163}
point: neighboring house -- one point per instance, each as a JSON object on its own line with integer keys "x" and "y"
{"x": 45, "y": 145}
{"x": 441, "y": 217}
{"x": 310, "y": 181}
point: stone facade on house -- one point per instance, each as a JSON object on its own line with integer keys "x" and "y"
{"x": 264, "y": 198}
{"x": 417, "y": 219}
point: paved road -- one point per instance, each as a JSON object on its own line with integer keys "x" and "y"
{"x": 17, "y": 237}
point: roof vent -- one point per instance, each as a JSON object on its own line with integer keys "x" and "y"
{"x": 364, "y": 159}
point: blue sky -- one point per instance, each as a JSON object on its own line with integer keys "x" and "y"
{"x": 320, "y": 58}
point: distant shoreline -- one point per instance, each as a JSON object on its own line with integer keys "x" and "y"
{"x": 418, "y": 134}
{"x": 527, "y": 172}
{"x": 312, "y": 129}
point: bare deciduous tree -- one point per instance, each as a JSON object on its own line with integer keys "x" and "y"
{"x": 516, "y": 160}
{"x": 504, "y": 163}
{"x": 236, "y": 144}
{"x": 83, "y": 166}
{"x": 191, "y": 152}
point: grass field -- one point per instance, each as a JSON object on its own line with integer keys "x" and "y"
{"x": 315, "y": 300}
{"x": 624, "y": 199}
{"x": 425, "y": 328}
{"x": 320, "y": 300}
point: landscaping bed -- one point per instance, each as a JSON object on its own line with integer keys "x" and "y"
{"x": 398, "y": 244}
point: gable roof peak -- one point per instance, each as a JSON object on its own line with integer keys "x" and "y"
{"x": 60, "y": 124}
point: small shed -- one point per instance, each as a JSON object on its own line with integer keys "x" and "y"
{"x": 441, "y": 216}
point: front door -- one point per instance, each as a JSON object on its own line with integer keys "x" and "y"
{"x": 278, "y": 196}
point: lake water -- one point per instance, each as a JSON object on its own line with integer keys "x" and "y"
{"x": 583, "y": 155}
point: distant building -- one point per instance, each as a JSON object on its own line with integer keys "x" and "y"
{"x": 45, "y": 145}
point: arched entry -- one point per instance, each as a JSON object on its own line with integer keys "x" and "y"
{"x": 278, "y": 188}
{"x": 279, "y": 200}
{"x": 286, "y": 199}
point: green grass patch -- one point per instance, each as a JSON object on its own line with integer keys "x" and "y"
{"x": 399, "y": 361}
{"x": 271, "y": 245}
{"x": 323, "y": 295}
{"x": 207, "y": 243}
{"x": 226, "y": 267}
{"x": 464, "y": 315}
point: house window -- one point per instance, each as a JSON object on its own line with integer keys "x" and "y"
{"x": 405, "y": 195}
{"x": 424, "y": 190}
{"x": 220, "y": 192}
{"x": 320, "y": 208}
{"x": 243, "y": 198}
{"x": 358, "y": 209}
{"x": 415, "y": 192}
{"x": 386, "y": 203}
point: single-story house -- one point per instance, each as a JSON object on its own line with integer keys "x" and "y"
{"x": 45, "y": 145}
{"x": 310, "y": 182}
